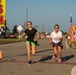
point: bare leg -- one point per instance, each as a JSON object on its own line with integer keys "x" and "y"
{"x": 33, "y": 50}
{"x": 55, "y": 50}
{"x": 28, "y": 51}
{"x": 55, "y": 53}
{"x": 59, "y": 53}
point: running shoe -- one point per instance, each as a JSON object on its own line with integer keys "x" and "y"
{"x": 53, "y": 57}
{"x": 59, "y": 61}
{"x": 30, "y": 62}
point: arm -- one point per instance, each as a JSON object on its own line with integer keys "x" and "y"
{"x": 37, "y": 36}
{"x": 23, "y": 34}
{"x": 61, "y": 38}
{"x": 50, "y": 40}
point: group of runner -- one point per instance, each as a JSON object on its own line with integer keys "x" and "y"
{"x": 55, "y": 39}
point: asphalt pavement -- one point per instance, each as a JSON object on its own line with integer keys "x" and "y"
{"x": 15, "y": 61}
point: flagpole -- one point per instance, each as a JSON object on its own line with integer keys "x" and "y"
{"x": 71, "y": 30}
{"x": 75, "y": 36}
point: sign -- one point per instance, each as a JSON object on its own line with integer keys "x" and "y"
{"x": 74, "y": 28}
{"x": 2, "y": 12}
{"x": 19, "y": 28}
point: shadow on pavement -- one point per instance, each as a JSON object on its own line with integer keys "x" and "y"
{"x": 44, "y": 50}
{"x": 45, "y": 58}
{"x": 14, "y": 56}
{"x": 24, "y": 54}
{"x": 66, "y": 58}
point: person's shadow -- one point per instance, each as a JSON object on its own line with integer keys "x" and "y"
{"x": 45, "y": 58}
{"x": 66, "y": 58}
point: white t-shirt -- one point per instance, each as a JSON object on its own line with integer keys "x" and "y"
{"x": 55, "y": 36}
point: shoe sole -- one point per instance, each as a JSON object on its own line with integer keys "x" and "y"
{"x": 29, "y": 64}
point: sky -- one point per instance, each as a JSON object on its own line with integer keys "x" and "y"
{"x": 43, "y": 13}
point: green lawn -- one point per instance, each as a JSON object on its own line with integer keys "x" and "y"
{"x": 12, "y": 40}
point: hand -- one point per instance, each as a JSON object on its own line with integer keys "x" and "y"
{"x": 50, "y": 43}
{"x": 35, "y": 40}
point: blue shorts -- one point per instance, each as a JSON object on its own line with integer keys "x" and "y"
{"x": 57, "y": 44}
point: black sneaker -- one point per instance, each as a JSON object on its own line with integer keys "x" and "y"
{"x": 30, "y": 62}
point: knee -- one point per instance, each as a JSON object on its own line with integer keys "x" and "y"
{"x": 33, "y": 53}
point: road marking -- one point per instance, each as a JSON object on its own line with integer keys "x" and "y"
{"x": 21, "y": 61}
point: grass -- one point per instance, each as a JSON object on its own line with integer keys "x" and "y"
{"x": 8, "y": 40}
{"x": 12, "y": 40}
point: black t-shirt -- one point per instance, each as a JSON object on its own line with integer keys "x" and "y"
{"x": 30, "y": 34}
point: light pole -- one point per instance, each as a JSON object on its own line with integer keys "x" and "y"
{"x": 27, "y": 14}
{"x": 48, "y": 28}
{"x": 35, "y": 26}
{"x": 43, "y": 26}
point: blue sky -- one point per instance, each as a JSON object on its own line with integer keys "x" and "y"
{"x": 43, "y": 13}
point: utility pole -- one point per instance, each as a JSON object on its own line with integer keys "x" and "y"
{"x": 43, "y": 26}
{"x": 48, "y": 28}
{"x": 26, "y": 14}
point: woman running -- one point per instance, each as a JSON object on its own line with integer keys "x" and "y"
{"x": 55, "y": 39}
{"x": 31, "y": 39}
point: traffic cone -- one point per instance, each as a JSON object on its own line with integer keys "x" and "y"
{"x": 0, "y": 54}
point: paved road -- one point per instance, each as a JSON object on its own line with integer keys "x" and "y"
{"x": 14, "y": 60}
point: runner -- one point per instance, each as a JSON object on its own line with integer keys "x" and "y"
{"x": 31, "y": 39}
{"x": 55, "y": 39}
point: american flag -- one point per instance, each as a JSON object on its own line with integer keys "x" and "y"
{"x": 71, "y": 30}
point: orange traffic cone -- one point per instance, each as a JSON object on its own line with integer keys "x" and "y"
{"x": 0, "y": 54}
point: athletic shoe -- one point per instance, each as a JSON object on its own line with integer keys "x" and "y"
{"x": 53, "y": 57}
{"x": 30, "y": 62}
{"x": 59, "y": 61}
